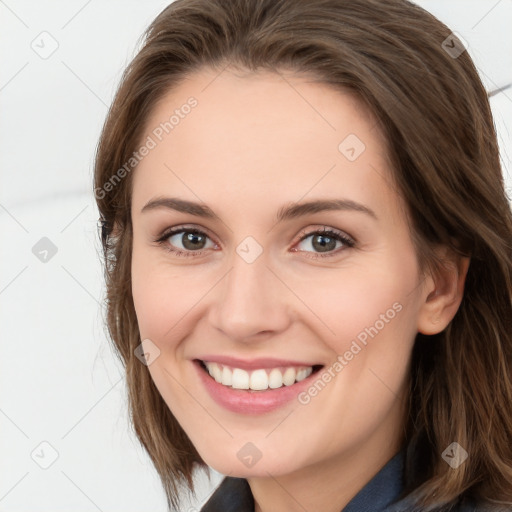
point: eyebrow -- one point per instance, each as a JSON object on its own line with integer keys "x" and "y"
{"x": 287, "y": 212}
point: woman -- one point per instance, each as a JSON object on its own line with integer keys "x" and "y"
{"x": 308, "y": 258}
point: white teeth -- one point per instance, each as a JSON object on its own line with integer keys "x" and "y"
{"x": 304, "y": 373}
{"x": 257, "y": 380}
{"x": 275, "y": 379}
{"x": 240, "y": 379}
{"x": 217, "y": 373}
{"x": 289, "y": 376}
{"x": 226, "y": 376}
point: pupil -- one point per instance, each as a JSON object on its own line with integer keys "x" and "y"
{"x": 192, "y": 238}
{"x": 324, "y": 246}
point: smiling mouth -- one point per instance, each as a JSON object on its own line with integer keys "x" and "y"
{"x": 261, "y": 379}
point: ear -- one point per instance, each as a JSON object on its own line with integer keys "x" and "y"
{"x": 443, "y": 293}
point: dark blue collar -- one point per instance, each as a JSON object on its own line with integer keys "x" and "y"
{"x": 383, "y": 493}
{"x": 382, "y": 490}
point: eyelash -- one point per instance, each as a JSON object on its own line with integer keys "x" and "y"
{"x": 336, "y": 235}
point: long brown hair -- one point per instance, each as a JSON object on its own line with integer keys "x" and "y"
{"x": 435, "y": 112}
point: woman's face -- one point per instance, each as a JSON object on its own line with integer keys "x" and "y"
{"x": 249, "y": 285}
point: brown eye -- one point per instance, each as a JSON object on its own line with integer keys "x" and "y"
{"x": 184, "y": 241}
{"x": 325, "y": 241}
{"x": 191, "y": 241}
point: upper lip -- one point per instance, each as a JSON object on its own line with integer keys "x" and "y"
{"x": 254, "y": 364}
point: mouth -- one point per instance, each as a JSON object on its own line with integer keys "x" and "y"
{"x": 257, "y": 380}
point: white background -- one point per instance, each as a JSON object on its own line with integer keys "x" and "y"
{"x": 59, "y": 381}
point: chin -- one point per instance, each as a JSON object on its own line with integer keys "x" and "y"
{"x": 235, "y": 467}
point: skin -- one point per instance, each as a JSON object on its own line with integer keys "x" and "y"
{"x": 254, "y": 143}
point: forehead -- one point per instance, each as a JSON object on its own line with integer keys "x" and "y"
{"x": 263, "y": 133}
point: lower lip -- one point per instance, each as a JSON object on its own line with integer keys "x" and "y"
{"x": 244, "y": 401}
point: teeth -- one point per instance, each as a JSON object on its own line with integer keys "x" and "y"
{"x": 257, "y": 380}
{"x": 217, "y": 373}
{"x": 302, "y": 374}
{"x": 289, "y": 376}
{"x": 275, "y": 379}
{"x": 240, "y": 379}
{"x": 226, "y": 376}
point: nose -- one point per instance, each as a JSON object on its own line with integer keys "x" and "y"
{"x": 251, "y": 302}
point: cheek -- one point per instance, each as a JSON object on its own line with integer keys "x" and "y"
{"x": 167, "y": 298}
{"x": 156, "y": 296}
{"x": 361, "y": 303}
{"x": 357, "y": 302}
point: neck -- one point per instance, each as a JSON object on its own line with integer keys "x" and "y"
{"x": 335, "y": 481}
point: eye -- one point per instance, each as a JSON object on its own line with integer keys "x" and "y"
{"x": 325, "y": 241}
{"x": 192, "y": 241}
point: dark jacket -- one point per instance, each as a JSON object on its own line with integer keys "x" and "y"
{"x": 381, "y": 494}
